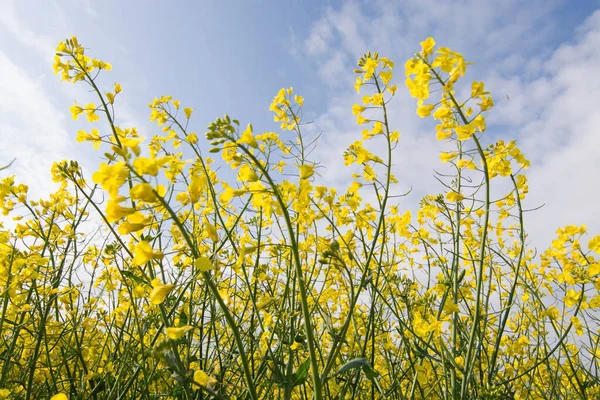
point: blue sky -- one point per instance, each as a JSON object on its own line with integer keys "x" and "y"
{"x": 232, "y": 56}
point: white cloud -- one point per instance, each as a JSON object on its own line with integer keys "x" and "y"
{"x": 11, "y": 21}
{"x": 32, "y": 129}
{"x": 552, "y": 89}
{"x": 333, "y": 69}
{"x": 87, "y": 6}
{"x": 318, "y": 41}
{"x": 557, "y": 127}
{"x": 35, "y": 124}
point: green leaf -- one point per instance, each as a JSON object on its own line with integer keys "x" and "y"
{"x": 370, "y": 372}
{"x": 183, "y": 319}
{"x": 134, "y": 277}
{"x": 353, "y": 364}
{"x": 361, "y": 363}
{"x": 300, "y": 376}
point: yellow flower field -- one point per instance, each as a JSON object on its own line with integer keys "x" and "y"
{"x": 268, "y": 286}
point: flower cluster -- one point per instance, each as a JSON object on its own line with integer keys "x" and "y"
{"x": 268, "y": 285}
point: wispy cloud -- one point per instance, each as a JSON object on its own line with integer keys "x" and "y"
{"x": 32, "y": 129}
{"x": 22, "y": 33}
{"x": 544, "y": 90}
{"x": 543, "y": 55}
{"x": 556, "y": 120}
{"x": 35, "y": 126}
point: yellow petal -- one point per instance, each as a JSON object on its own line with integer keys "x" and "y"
{"x": 454, "y": 197}
{"x": 445, "y": 157}
{"x": 306, "y": 171}
{"x": 160, "y": 293}
{"x": 202, "y": 378}
{"x": 204, "y": 264}
{"x": 177, "y": 333}
{"x": 295, "y": 345}
{"x": 247, "y": 137}
{"x": 211, "y": 231}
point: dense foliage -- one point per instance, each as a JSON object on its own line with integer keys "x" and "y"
{"x": 272, "y": 287}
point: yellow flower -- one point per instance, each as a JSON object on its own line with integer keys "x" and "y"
{"x": 578, "y": 326}
{"x": 188, "y": 112}
{"x": 75, "y": 111}
{"x": 127, "y": 227}
{"x": 425, "y": 110}
{"x": 354, "y": 187}
{"x": 111, "y": 177}
{"x": 552, "y": 312}
{"x": 247, "y": 138}
{"x": 357, "y": 109}
{"x": 369, "y": 173}
{"x": 59, "y": 396}
{"x": 486, "y": 103}
{"x": 62, "y": 48}
{"x": 422, "y": 326}
{"x": 115, "y": 212}
{"x": 460, "y": 361}
{"x": 386, "y": 76}
{"x": 442, "y": 112}
{"x": 160, "y": 293}
{"x": 465, "y": 163}
{"x": 211, "y": 231}
{"x": 177, "y": 333}
{"x": 143, "y": 253}
{"x": 295, "y": 345}
{"x": 142, "y": 191}
{"x": 477, "y": 89}
{"x": 145, "y": 192}
{"x": 451, "y": 307}
{"x": 131, "y": 142}
{"x": 195, "y": 188}
{"x": 454, "y": 197}
{"x": 135, "y": 222}
{"x": 377, "y": 99}
{"x": 358, "y": 84}
{"x": 246, "y": 174}
{"x": 369, "y": 67}
{"x": 202, "y": 379}
{"x": 427, "y": 46}
{"x": 387, "y": 63}
{"x": 361, "y": 120}
{"x": 306, "y": 171}
{"x": 203, "y": 264}
{"x": 594, "y": 244}
{"x": 572, "y": 298}
{"x": 90, "y": 111}
{"x": 146, "y": 166}
{"x": 377, "y": 128}
{"x": 445, "y": 157}
{"x": 279, "y": 166}
{"x": 192, "y": 138}
{"x": 465, "y": 132}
